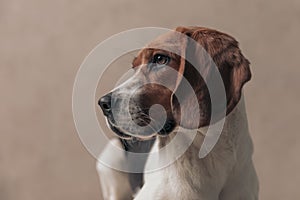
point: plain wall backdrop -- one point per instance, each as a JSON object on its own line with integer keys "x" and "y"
{"x": 42, "y": 44}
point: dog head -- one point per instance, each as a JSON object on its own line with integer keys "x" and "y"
{"x": 160, "y": 68}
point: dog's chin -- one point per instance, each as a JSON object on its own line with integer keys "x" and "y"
{"x": 119, "y": 133}
{"x": 125, "y": 135}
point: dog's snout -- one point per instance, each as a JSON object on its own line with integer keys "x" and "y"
{"x": 105, "y": 104}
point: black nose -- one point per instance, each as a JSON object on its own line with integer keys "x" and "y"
{"x": 105, "y": 104}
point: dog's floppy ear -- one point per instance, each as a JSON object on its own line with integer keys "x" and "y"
{"x": 238, "y": 75}
{"x": 232, "y": 65}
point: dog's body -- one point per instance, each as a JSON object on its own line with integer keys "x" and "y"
{"x": 226, "y": 173}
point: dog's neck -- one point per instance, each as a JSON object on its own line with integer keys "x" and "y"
{"x": 233, "y": 146}
{"x": 234, "y": 142}
{"x": 235, "y": 126}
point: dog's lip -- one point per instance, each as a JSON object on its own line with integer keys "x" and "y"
{"x": 120, "y": 134}
{"x": 124, "y": 135}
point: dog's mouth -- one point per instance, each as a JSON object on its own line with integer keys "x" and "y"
{"x": 120, "y": 133}
{"x": 124, "y": 134}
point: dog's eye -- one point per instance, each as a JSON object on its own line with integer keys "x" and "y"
{"x": 160, "y": 60}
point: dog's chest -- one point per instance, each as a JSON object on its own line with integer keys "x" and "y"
{"x": 188, "y": 177}
{"x": 169, "y": 183}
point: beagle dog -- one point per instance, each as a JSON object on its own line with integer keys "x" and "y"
{"x": 227, "y": 172}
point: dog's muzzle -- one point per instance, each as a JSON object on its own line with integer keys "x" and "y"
{"x": 105, "y": 104}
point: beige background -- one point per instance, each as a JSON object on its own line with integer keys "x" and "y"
{"x": 42, "y": 44}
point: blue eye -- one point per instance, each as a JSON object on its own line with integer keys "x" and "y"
{"x": 160, "y": 60}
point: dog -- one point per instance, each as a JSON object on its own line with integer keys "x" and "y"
{"x": 227, "y": 172}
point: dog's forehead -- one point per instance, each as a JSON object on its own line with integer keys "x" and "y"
{"x": 171, "y": 41}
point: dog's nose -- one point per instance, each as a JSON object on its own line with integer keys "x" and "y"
{"x": 105, "y": 104}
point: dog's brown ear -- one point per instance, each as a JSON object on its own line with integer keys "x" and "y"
{"x": 232, "y": 65}
{"x": 238, "y": 75}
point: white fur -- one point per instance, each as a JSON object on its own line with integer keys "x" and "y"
{"x": 115, "y": 184}
{"x": 226, "y": 173}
